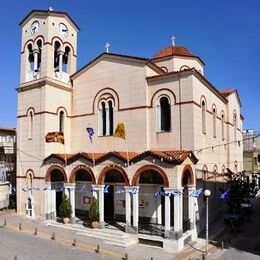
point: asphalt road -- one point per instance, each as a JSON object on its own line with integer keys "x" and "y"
{"x": 28, "y": 247}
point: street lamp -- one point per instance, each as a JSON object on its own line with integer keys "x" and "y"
{"x": 207, "y": 194}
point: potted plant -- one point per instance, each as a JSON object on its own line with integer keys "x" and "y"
{"x": 94, "y": 213}
{"x": 65, "y": 209}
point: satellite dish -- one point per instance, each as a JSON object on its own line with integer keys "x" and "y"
{"x": 50, "y": 9}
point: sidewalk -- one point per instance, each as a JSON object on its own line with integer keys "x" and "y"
{"x": 67, "y": 236}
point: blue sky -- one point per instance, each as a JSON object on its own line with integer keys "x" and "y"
{"x": 224, "y": 34}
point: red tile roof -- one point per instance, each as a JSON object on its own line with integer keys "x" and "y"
{"x": 173, "y": 50}
{"x": 173, "y": 157}
{"x": 228, "y": 91}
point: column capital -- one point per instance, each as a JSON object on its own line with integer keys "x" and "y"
{"x": 60, "y": 52}
{"x": 69, "y": 185}
{"x": 36, "y": 50}
{"x": 96, "y": 187}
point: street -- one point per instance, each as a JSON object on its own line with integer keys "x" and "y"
{"x": 25, "y": 247}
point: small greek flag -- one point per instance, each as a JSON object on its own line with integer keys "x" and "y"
{"x": 90, "y": 132}
{"x": 134, "y": 191}
{"x": 106, "y": 189}
{"x": 159, "y": 194}
{"x": 224, "y": 195}
{"x": 196, "y": 193}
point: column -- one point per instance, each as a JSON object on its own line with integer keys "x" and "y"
{"x": 60, "y": 53}
{"x": 70, "y": 192}
{"x": 159, "y": 210}
{"x": 128, "y": 226}
{"x": 191, "y": 206}
{"x": 36, "y": 57}
{"x": 98, "y": 193}
{"x": 127, "y": 205}
{"x": 107, "y": 121}
{"x": 167, "y": 213}
{"x": 47, "y": 191}
{"x": 178, "y": 214}
{"x": 135, "y": 193}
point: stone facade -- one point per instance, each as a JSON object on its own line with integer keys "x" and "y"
{"x": 171, "y": 113}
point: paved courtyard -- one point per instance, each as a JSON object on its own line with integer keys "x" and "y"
{"x": 25, "y": 246}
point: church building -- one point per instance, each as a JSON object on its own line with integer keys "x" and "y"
{"x": 178, "y": 132}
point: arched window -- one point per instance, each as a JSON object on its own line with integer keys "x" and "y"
{"x": 214, "y": 115}
{"x": 57, "y": 56}
{"x": 61, "y": 121}
{"x": 111, "y": 117}
{"x": 30, "y": 57}
{"x": 222, "y": 127}
{"x": 106, "y": 118}
{"x": 38, "y": 56}
{"x": 235, "y": 125}
{"x": 203, "y": 116}
{"x": 66, "y": 60}
{"x": 30, "y": 125}
{"x": 164, "y": 115}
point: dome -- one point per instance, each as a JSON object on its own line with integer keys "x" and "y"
{"x": 172, "y": 51}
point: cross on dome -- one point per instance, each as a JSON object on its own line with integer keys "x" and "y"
{"x": 173, "y": 40}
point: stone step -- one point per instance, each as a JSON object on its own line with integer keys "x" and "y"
{"x": 111, "y": 236}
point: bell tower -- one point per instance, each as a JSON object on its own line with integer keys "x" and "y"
{"x": 48, "y": 59}
{"x": 49, "y": 46}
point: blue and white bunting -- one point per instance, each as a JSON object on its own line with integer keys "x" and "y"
{"x": 196, "y": 193}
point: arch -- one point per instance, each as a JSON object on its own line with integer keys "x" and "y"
{"x": 215, "y": 169}
{"x": 30, "y": 109}
{"x": 204, "y": 172}
{"x": 163, "y": 112}
{"x": 107, "y": 169}
{"x": 29, "y": 173}
{"x": 136, "y": 178}
{"x": 165, "y": 69}
{"x": 110, "y": 93}
{"x": 222, "y": 118}
{"x": 53, "y": 168}
{"x": 187, "y": 176}
{"x": 214, "y": 117}
{"x": 184, "y": 67}
{"x": 67, "y": 44}
{"x": 63, "y": 109}
{"x": 163, "y": 91}
{"x": 203, "y": 104}
{"x": 84, "y": 168}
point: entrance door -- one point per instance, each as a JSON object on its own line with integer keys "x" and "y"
{"x": 109, "y": 204}
{"x": 58, "y": 202}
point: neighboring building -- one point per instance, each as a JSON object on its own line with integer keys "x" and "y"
{"x": 4, "y": 194}
{"x": 251, "y": 151}
{"x": 7, "y": 164}
{"x": 7, "y": 154}
{"x": 171, "y": 113}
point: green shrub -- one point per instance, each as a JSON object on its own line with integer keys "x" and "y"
{"x": 65, "y": 207}
{"x": 94, "y": 210}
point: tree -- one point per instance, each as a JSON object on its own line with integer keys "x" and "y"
{"x": 240, "y": 189}
{"x": 65, "y": 207}
{"x": 94, "y": 210}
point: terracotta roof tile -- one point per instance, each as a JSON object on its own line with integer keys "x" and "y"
{"x": 175, "y": 157}
{"x": 173, "y": 50}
